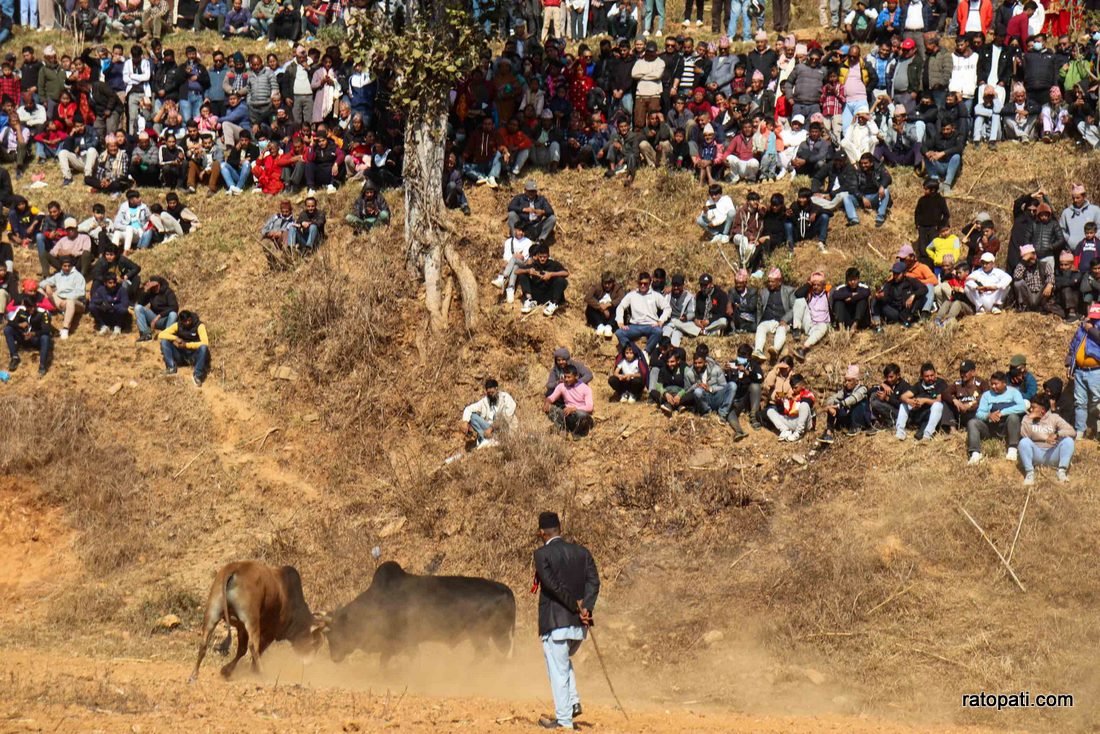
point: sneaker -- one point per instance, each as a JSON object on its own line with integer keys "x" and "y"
{"x": 995, "y": 310}
{"x": 759, "y": 355}
{"x": 666, "y": 409}
{"x": 1029, "y": 479}
{"x": 64, "y": 333}
{"x": 945, "y": 189}
{"x": 826, "y": 437}
{"x": 723, "y": 239}
{"x": 550, "y": 309}
{"x": 169, "y": 371}
{"x": 1011, "y": 454}
{"x": 491, "y": 182}
{"x": 41, "y": 371}
{"x": 310, "y": 192}
{"x": 879, "y": 223}
{"x": 116, "y": 331}
{"x": 1062, "y": 476}
{"x": 714, "y": 240}
{"x": 901, "y": 435}
{"x": 734, "y": 178}
{"x": 498, "y": 282}
{"x": 795, "y": 437}
{"x": 13, "y": 365}
{"x": 270, "y": 45}
{"x": 782, "y": 172}
{"x": 104, "y": 329}
{"x": 698, "y": 23}
{"x": 190, "y": 189}
{"x": 622, "y": 398}
{"x": 257, "y": 190}
{"x": 852, "y": 432}
{"x": 645, "y": 34}
{"x": 659, "y": 34}
{"x": 975, "y": 459}
{"x": 197, "y": 380}
{"x": 528, "y": 306}
{"x": 785, "y": 435}
{"x": 66, "y": 181}
{"x": 466, "y": 210}
{"x": 330, "y": 189}
{"x": 510, "y": 295}
{"x": 687, "y": 23}
{"x": 630, "y": 398}
{"x": 145, "y": 338}
{"x": 170, "y": 237}
{"x": 871, "y": 430}
{"x": 1080, "y": 435}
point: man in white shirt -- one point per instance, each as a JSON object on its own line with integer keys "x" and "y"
{"x": 649, "y": 312}
{"x": 516, "y": 252}
{"x": 66, "y": 289}
{"x": 495, "y": 412}
{"x": 987, "y": 286}
{"x": 717, "y": 216}
{"x": 136, "y": 73}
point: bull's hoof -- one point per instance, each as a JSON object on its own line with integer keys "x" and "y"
{"x": 227, "y": 670}
{"x": 192, "y": 678}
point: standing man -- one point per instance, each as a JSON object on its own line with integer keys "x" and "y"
{"x": 566, "y": 575}
{"x": 1083, "y": 365}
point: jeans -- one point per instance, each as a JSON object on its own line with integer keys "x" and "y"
{"x": 1086, "y": 388}
{"x": 479, "y": 426}
{"x": 174, "y": 356}
{"x": 563, "y": 681}
{"x": 1058, "y": 455}
{"x": 712, "y": 230}
{"x": 190, "y": 106}
{"x": 236, "y": 179}
{"x": 880, "y": 205}
{"x": 305, "y": 238}
{"x": 481, "y": 171}
{"x": 739, "y": 9}
{"x": 718, "y": 401}
{"x": 43, "y": 343}
{"x": 948, "y": 171}
{"x": 935, "y": 412}
{"x": 630, "y": 332}
{"x": 654, "y": 7}
{"x": 260, "y": 26}
{"x": 147, "y": 319}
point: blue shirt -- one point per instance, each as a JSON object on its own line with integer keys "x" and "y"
{"x": 1010, "y": 402}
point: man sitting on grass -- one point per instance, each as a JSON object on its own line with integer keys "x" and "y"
{"x": 496, "y": 411}
{"x": 28, "y": 327}
{"x": 576, "y": 414}
{"x": 186, "y": 342}
{"x": 848, "y": 407}
{"x": 999, "y": 412}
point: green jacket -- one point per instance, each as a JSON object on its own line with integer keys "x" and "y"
{"x": 51, "y": 81}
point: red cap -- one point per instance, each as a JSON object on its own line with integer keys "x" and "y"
{"x": 908, "y": 44}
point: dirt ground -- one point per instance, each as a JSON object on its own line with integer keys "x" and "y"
{"x": 54, "y": 692}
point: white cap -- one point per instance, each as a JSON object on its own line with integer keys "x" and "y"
{"x": 799, "y": 118}
{"x": 988, "y": 257}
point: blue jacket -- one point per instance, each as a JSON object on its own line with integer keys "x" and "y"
{"x": 1092, "y": 345}
{"x": 238, "y": 116}
{"x": 1010, "y": 402}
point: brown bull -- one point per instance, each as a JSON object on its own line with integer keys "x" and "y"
{"x": 264, "y": 604}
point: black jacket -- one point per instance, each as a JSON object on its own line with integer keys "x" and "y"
{"x": 566, "y": 573}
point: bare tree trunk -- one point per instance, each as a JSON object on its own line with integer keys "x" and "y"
{"x": 426, "y": 228}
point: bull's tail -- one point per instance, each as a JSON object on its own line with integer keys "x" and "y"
{"x": 225, "y": 599}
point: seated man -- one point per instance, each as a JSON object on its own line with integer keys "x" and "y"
{"x": 774, "y": 311}
{"x": 671, "y": 388}
{"x": 899, "y": 299}
{"x": 716, "y": 219}
{"x": 649, "y": 312}
{"x": 280, "y": 228}
{"x": 964, "y": 394}
{"x": 1020, "y": 377}
{"x": 112, "y": 170}
{"x": 530, "y": 213}
{"x": 710, "y": 391}
{"x": 132, "y": 223}
{"x": 28, "y": 327}
{"x": 109, "y": 305}
{"x": 704, "y": 315}
{"x": 792, "y": 412}
{"x": 186, "y": 342}
{"x": 517, "y": 251}
{"x": 746, "y": 376}
{"x": 922, "y": 404}
{"x": 741, "y": 304}
{"x": 807, "y": 221}
{"x": 73, "y": 244}
{"x": 66, "y": 290}
{"x": 495, "y": 413}
{"x": 885, "y": 400}
{"x": 1045, "y": 439}
{"x": 562, "y": 361}
{"x": 851, "y": 302}
{"x": 126, "y": 270}
{"x": 542, "y": 280}
{"x": 1066, "y": 301}
{"x": 310, "y": 231}
{"x": 872, "y": 190}
{"x": 943, "y": 151}
{"x": 371, "y": 209}
{"x": 1032, "y": 281}
{"x": 156, "y": 308}
{"x": 999, "y": 412}
{"x": 9, "y": 287}
{"x": 849, "y": 407}
{"x": 988, "y": 286}
{"x": 811, "y": 313}
{"x": 575, "y": 415}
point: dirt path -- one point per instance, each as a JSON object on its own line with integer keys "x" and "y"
{"x": 52, "y": 692}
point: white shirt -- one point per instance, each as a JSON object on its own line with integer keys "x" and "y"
{"x": 974, "y": 17}
{"x": 647, "y": 309}
{"x": 514, "y": 248}
{"x": 718, "y": 212}
{"x": 503, "y": 411}
{"x": 914, "y": 17}
{"x": 995, "y": 278}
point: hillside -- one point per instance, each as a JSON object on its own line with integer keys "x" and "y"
{"x": 742, "y": 581}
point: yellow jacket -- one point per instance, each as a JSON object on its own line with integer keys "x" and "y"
{"x": 941, "y": 246}
{"x": 172, "y": 333}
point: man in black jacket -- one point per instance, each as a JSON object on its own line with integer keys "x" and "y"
{"x": 157, "y": 307}
{"x": 566, "y": 575}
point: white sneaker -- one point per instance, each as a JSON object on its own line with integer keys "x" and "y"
{"x": 714, "y": 240}
{"x": 659, "y": 34}
{"x": 1011, "y": 455}
{"x": 645, "y": 34}
{"x": 723, "y": 239}
{"x": 630, "y": 396}
{"x": 781, "y": 175}
{"x": 257, "y": 190}
{"x": 270, "y": 45}
{"x": 624, "y": 398}
{"x": 310, "y": 192}
{"x": 900, "y": 435}
{"x": 498, "y": 282}
{"x": 687, "y": 23}
{"x": 1080, "y": 435}
{"x": 734, "y": 178}
{"x": 491, "y": 182}
{"x": 116, "y": 331}
{"x": 550, "y": 309}
{"x": 169, "y": 238}
{"x": 488, "y": 443}
{"x": 821, "y": 248}
{"x": 995, "y": 310}
{"x": 795, "y": 436}
{"x": 698, "y": 23}
{"x": 785, "y": 435}
{"x": 1029, "y": 479}
{"x": 528, "y": 306}
{"x": 330, "y": 189}
{"x": 1062, "y": 476}
{"x": 64, "y": 333}
{"x": 104, "y": 329}
{"x": 510, "y": 295}
{"x": 975, "y": 459}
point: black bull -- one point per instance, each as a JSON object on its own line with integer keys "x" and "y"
{"x": 400, "y": 611}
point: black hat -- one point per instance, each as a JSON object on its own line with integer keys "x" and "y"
{"x": 705, "y": 279}
{"x": 549, "y": 521}
{"x": 678, "y": 279}
{"x": 966, "y": 365}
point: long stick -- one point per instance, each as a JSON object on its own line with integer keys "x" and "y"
{"x": 184, "y": 467}
{"x": 603, "y": 667}
{"x": 990, "y": 542}
{"x": 1019, "y": 525}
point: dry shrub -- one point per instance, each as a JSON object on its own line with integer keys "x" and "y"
{"x": 101, "y": 504}
{"x": 86, "y": 607}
